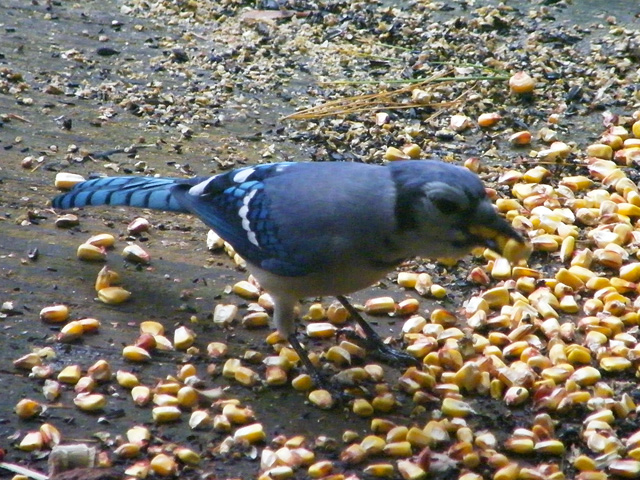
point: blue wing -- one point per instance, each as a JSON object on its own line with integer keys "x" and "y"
{"x": 236, "y": 206}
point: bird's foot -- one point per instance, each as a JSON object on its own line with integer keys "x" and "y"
{"x": 375, "y": 344}
{"x": 381, "y": 350}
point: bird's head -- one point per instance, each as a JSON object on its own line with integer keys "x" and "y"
{"x": 445, "y": 208}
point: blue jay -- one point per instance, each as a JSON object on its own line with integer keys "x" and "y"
{"x": 316, "y": 229}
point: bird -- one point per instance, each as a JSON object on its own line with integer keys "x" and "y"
{"x": 313, "y": 229}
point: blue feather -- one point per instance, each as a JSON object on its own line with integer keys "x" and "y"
{"x": 234, "y": 204}
{"x": 143, "y": 192}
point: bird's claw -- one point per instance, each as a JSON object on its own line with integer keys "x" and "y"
{"x": 391, "y": 355}
{"x": 380, "y": 350}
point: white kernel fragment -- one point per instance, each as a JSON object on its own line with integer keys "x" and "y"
{"x": 183, "y": 338}
{"x": 66, "y": 181}
{"x": 200, "y": 419}
{"x": 31, "y": 441}
{"x": 136, "y": 254}
{"x": 410, "y": 471}
{"x": 246, "y": 290}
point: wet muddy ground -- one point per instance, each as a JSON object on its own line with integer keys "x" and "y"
{"x": 174, "y": 89}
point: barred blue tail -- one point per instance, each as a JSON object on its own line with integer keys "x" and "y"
{"x": 144, "y": 192}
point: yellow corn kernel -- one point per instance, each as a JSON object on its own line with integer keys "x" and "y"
{"x": 577, "y": 183}
{"x": 600, "y": 150}
{"x": 113, "y": 295}
{"x": 507, "y": 472}
{"x": 496, "y": 297}
{"x": 456, "y": 408}
{"x": 90, "y": 402}
{"x": 410, "y": 471}
{"x": 321, "y": 399}
{"x": 91, "y": 253}
{"x": 380, "y": 306}
{"x": 31, "y": 441}
{"x": 438, "y": 291}
{"x": 246, "y": 290}
{"x": 615, "y": 364}
{"x": 519, "y": 445}
{"x": 320, "y": 330}
{"x": 373, "y": 444}
{"x": 362, "y": 407}
{"x": 407, "y": 279}
{"x": 380, "y": 470}
{"x": 398, "y": 449}
{"x": 393, "y": 153}
{"x": 245, "y": 376}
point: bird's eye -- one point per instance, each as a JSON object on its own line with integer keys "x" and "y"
{"x": 446, "y": 206}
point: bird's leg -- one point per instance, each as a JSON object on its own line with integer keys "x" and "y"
{"x": 284, "y": 319}
{"x": 374, "y": 342}
{"x": 320, "y": 380}
{"x": 317, "y": 377}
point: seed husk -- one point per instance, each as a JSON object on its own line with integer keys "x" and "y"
{"x": 67, "y": 221}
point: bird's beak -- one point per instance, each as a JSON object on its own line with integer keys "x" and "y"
{"x": 496, "y": 233}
